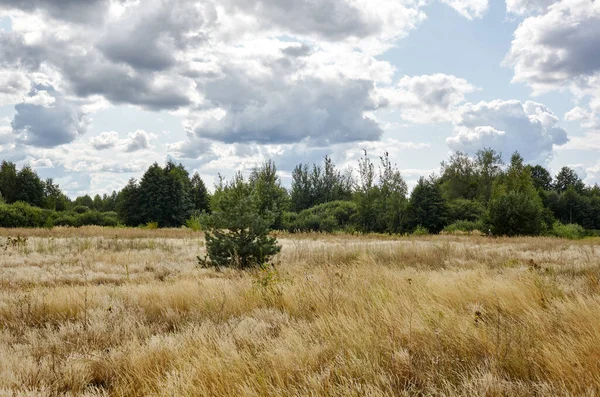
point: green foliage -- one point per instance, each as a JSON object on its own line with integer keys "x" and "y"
{"x": 199, "y": 194}
{"x": 420, "y": 231}
{"x": 542, "y": 180}
{"x": 237, "y": 232}
{"x": 459, "y": 177}
{"x": 97, "y": 218}
{"x": 489, "y": 165}
{"x": 128, "y": 204}
{"x": 163, "y": 196}
{"x": 467, "y": 210}
{"x": 516, "y": 207}
{"x": 30, "y": 188}
{"x": 88, "y": 218}
{"x": 428, "y": 207}
{"x": 21, "y": 214}
{"x": 570, "y": 231}
{"x": 194, "y": 223}
{"x": 464, "y": 226}
{"x": 567, "y": 177}
{"x": 54, "y": 198}
{"x": 151, "y": 225}
{"x": 318, "y": 185}
{"x": 270, "y": 195}
{"x": 84, "y": 201}
{"x": 381, "y": 204}
{"x": 8, "y": 181}
{"x": 515, "y": 214}
{"x": 80, "y": 209}
{"x": 329, "y": 217}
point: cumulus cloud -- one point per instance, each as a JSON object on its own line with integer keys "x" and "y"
{"x": 560, "y": 47}
{"x": 321, "y": 111}
{"x": 44, "y": 123}
{"x": 593, "y": 174}
{"x": 40, "y": 98}
{"x": 587, "y": 118}
{"x": 263, "y": 71}
{"x": 508, "y": 126}
{"x": 106, "y": 140}
{"x": 137, "y": 140}
{"x": 14, "y": 86}
{"x": 469, "y": 9}
{"x": 192, "y": 149}
{"x": 71, "y": 10}
{"x": 428, "y": 98}
{"x": 524, "y": 7}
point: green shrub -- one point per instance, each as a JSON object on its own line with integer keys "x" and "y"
{"x": 328, "y": 217}
{"x": 194, "y": 223}
{"x": 515, "y": 213}
{"x": 420, "y": 231}
{"x": 21, "y": 214}
{"x": 97, "y": 218}
{"x": 289, "y": 221}
{"x": 237, "y": 231}
{"x": 80, "y": 209}
{"x": 465, "y": 210}
{"x": 464, "y": 226}
{"x": 65, "y": 219}
{"x": 151, "y": 225}
{"x": 571, "y": 231}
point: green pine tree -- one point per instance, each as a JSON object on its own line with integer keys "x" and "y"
{"x": 237, "y": 231}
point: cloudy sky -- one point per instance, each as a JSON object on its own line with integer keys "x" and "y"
{"x": 92, "y": 92}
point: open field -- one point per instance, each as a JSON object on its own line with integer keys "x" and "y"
{"x": 127, "y": 312}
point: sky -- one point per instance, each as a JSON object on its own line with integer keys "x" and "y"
{"x": 94, "y": 92}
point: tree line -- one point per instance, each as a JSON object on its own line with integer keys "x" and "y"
{"x": 470, "y": 193}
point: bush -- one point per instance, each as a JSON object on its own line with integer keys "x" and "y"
{"x": 236, "y": 232}
{"x": 514, "y": 214}
{"x": 571, "y": 231}
{"x": 464, "y": 226}
{"x": 97, "y": 218}
{"x": 328, "y": 217}
{"x": 465, "y": 210}
{"x": 151, "y": 225}
{"x": 80, "y": 209}
{"x": 194, "y": 223}
{"x": 64, "y": 219}
{"x": 420, "y": 231}
{"x": 22, "y": 214}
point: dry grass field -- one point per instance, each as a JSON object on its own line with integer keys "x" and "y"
{"x": 128, "y": 312}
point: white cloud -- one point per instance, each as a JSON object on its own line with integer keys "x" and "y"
{"x": 48, "y": 120}
{"x": 469, "y": 9}
{"x": 508, "y": 126}
{"x": 40, "y": 98}
{"x": 524, "y": 7}
{"x": 428, "y": 98}
{"x": 14, "y": 86}
{"x": 592, "y": 175}
{"x": 588, "y": 119}
{"x": 136, "y": 140}
{"x": 263, "y": 71}
{"x": 559, "y": 48}
{"x": 106, "y": 140}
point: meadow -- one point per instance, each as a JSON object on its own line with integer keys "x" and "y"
{"x": 128, "y": 312}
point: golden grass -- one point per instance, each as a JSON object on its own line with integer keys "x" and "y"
{"x": 127, "y": 312}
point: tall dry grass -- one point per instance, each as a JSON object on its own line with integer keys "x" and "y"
{"x": 115, "y": 314}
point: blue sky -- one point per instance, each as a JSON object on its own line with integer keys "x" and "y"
{"x": 92, "y": 93}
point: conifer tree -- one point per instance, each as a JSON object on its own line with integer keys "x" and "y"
{"x": 237, "y": 231}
